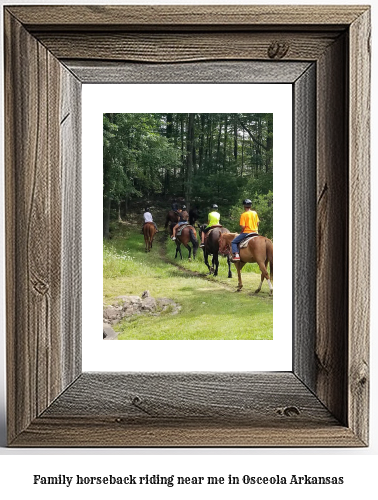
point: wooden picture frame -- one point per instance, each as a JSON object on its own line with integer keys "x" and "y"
{"x": 324, "y": 52}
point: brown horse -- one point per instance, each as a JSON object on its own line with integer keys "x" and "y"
{"x": 188, "y": 235}
{"x": 259, "y": 249}
{"x": 212, "y": 248}
{"x": 149, "y": 232}
{"x": 172, "y": 219}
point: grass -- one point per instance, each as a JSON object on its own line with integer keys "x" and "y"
{"x": 210, "y": 308}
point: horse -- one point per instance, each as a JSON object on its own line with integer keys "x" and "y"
{"x": 259, "y": 249}
{"x": 188, "y": 234}
{"x": 212, "y": 248}
{"x": 194, "y": 214}
{"x": 149, "y": 232}
{"x": 172, "y": 219}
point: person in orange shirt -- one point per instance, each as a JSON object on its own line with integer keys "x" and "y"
{"x": 249, "y": 223}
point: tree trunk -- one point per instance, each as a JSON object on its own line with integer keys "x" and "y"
{"x": 106, "y": 217}
{"x": 225, "y": 143}
{"x": 269, "y": 143}
{"x": 189, "y": 159}
{"x": 202, "y": 142}
{"x": 235, "y": 140}
{"x": 182, "y": 153}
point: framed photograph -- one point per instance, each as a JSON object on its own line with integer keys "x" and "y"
{"x": 157, "y": 295}
{"x": 323, "y": 52}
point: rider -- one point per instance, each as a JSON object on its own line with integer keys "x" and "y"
{"x": 184, "y": 217}
{"x": 175, "y": 206}
{"x": 249, "y": 223}
{"x": 212, "y": 220}
{"x": 147, "y": 216}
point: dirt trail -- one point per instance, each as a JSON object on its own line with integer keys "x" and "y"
{"x": 162, "y": 241}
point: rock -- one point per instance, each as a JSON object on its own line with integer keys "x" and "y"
{"x": 108, "y": 332}
{"x": 112, "y": 314}
{"x": 130, "y": 305}
{"x": 149, "y": 304}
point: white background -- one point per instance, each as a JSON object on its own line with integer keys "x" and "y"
{"x": 358, "y": 466}
{"x": 186, "y": 355}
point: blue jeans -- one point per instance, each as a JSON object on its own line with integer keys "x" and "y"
{"x": 237, "y": 240}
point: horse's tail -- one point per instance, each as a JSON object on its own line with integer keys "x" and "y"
{"x": 193, "y": 239}
{"x": 269, "y": 255}
{"x": 166, "y": 221}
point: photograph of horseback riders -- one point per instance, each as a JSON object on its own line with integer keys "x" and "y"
{"x": 188, "y": 226}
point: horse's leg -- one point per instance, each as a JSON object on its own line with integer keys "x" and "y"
{"x": 264, "y": 274}
{"x": 212, "y": 264}
{"x": 239, "y": 266}
{"x": 178, "y": 245}
{"x": 206, "y": 259}
{"x": 229, "y": 266}
{"x": 216, "y": 262}
{"x": 188, "y": 247}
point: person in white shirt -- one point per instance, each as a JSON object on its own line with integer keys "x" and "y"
{"x": 147, "y": 216}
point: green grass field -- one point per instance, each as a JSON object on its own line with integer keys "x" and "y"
{"x": 211, "y": 309}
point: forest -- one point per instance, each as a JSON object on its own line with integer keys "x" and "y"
{"x": 196, "y": 158}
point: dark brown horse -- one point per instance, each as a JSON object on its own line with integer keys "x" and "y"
{"x": 172, "y": 219}
{"x": 194, "y": 215}
{"x": 259, "y": 249}
{"x": 188, "y": 235}
{"x": 149, "y": 232}
{"x": 212, "y": 248}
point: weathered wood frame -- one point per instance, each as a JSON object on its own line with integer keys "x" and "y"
{"x": 49, "y": 52}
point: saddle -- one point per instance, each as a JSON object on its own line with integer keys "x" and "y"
{"x": 179, "y": 231}
{"x": 211, "y": 230}
{"x": 244, "y": 243}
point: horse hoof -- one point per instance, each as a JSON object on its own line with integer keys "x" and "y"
{"x": 189, "y": 260}
{"x": 257, "y": 291}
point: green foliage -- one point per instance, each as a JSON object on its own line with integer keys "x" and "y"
{"x": 200, "y": 158}
{"x": 134, "y": 154}
{"x": 263, "y": 205}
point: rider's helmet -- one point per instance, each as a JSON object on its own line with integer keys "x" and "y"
{"x": 215, "y": 206}
{"x": 147, "y": 209}
{"x": 247, "y": 202}
{"x": 184, "y": 207}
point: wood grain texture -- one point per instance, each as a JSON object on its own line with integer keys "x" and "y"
{"x": 185, "y": 16}
{"x": 321, "y": 405}
{"x": 193, "y": 409}
{"x": 304, "y": 227}
{"x": 180, "y": 47}
{"x": 33, "y": 227}
{"x": 359, "y": 210}
{"x": 70, "y": 143}
{"x": 202, "y": 72}
{"x": 332, "y": 230}
{"x": 100, "y": 432}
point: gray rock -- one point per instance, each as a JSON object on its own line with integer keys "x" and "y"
{"x": 108, "y": 332}
{"x": 149, "y": 304}
{"x": 130, "y": 305}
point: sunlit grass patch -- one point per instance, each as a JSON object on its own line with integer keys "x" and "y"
{"x": 210, "y": 309}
